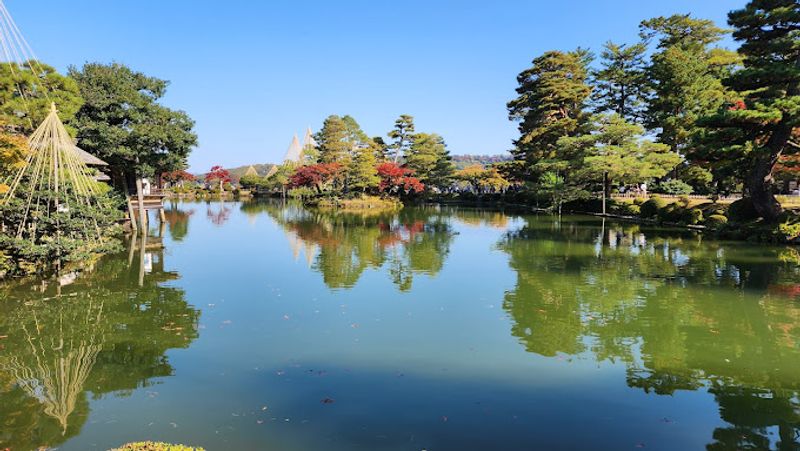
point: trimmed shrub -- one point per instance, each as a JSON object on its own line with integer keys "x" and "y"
{"x": 684, "y": 201}
{"x": 675, "y": 187}
{"x": 650, "y": 208}
{"x": 632, "y": 210}
{"x": 742, "y": 211}
{"x": 638, "y": 201}
{"x": 716, "y": 221}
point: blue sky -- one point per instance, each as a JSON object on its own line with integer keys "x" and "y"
{"x": 253, "y": 73}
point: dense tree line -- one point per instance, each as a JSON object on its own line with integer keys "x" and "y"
{"x": 346, "y": 161}
{"x": 721, "y": 120}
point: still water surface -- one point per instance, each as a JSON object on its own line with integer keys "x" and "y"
{"x": 265, "y": 326}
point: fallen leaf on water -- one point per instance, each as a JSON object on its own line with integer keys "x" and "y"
{"x": 285, "y": 316}
{"x": 264, "y": 408}
{"x": 327, "y": 401}
{"x": 260, "y": 421}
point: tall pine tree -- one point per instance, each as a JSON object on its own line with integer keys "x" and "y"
{"x": 552, "y": 95}
{"x": 402, "y": 135}
{"x": 755, "y": 131}
{"x": 684, "y": 81}
{"x": 620, "y": 83}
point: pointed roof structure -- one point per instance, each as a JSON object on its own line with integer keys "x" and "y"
{"x": 294, "y": 152}
{"x": 250, "y": 172}
{"x": 308, "y": 140}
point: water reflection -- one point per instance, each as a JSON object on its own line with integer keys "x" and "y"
{"x": 679, "y": 313}
{"x": 342, "y": 246}
{"x": 177, "y": 220}
{"x": 105, "y": 331}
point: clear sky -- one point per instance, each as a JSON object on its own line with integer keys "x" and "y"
{"x": 253, "y": 73}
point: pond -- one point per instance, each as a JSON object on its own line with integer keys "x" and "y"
{"x": 261, "y": 325}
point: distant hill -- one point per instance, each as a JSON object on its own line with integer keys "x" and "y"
{"x": 462, "y": 161}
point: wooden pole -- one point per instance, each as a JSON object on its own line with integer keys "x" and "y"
{"x": 142, "y": 211}
{"x": 131, "y": 214}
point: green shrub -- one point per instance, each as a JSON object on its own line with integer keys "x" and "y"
{"x": 674, "y": 187}
{"x": 684, "y": 201}
{"x": 742, "y": 210}
{"x": 638, "y": 201}
{"x": 632, "y": 210}
{"x": 155, "y": 446}
{"x": 651, "y": 207}
{"x": 695, "y": 216}
{"x": 790, "y": 230}
{"x": 716, "y": 221}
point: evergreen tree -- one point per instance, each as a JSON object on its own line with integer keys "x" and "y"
{"x": 552, "y": 96}
{"x": 759, "y": 128}
{"x": 684, "y": 81}
{"x": 26, "y": 92}
{"x": 430, "y": 160}
{"x": 362, "y": 173}
{"x": 620, "y": 85}
{"x": 332, "y": 141}
{"x": 614, "y": 151}
{"x": 402, "y": 135}
{"x": 123, "y": 122}
{"x": 380, "y": 148}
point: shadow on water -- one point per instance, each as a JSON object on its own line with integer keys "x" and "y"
{"x": 70, "y": 339}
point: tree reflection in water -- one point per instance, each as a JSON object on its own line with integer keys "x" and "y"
{"x": 679, "y": 313}
{"x": 101, "y": 333}
{"x": 341, "y": 246}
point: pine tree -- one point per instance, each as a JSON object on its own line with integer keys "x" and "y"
{"x": 620, "y": 85}
{"x": 362, "y": 173}
{"x": 430, "y": 160}
{"x": 332, "y": 141}
{"x": 552, "y": 96}
{"x": 402, "y": 135}
{"x": 684, "y": 81}
{"x": 755, "y": 131}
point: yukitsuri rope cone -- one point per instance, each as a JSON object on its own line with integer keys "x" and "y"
{"x": 53, "y": 178}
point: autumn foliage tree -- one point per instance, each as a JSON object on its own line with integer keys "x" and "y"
{"x": 218, "y": 175}
{"x": 13, "y": 149}
{"x": 317, "y": 176}
{"x": 395, "y": 179}
{"x": 178, "y": 177}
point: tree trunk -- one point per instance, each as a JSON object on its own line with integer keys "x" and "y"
{"x": 759, "y": 180}
{"x": 605, "y": 190}
{"x": 142, "y": 211}
{"x": 759, "y": 183}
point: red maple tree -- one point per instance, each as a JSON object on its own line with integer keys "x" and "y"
{"x": 177, "y": 177}
{"x": 395, "y": 178}
{"x": 315, "y": 175}
{"x": 218, "y": 173}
